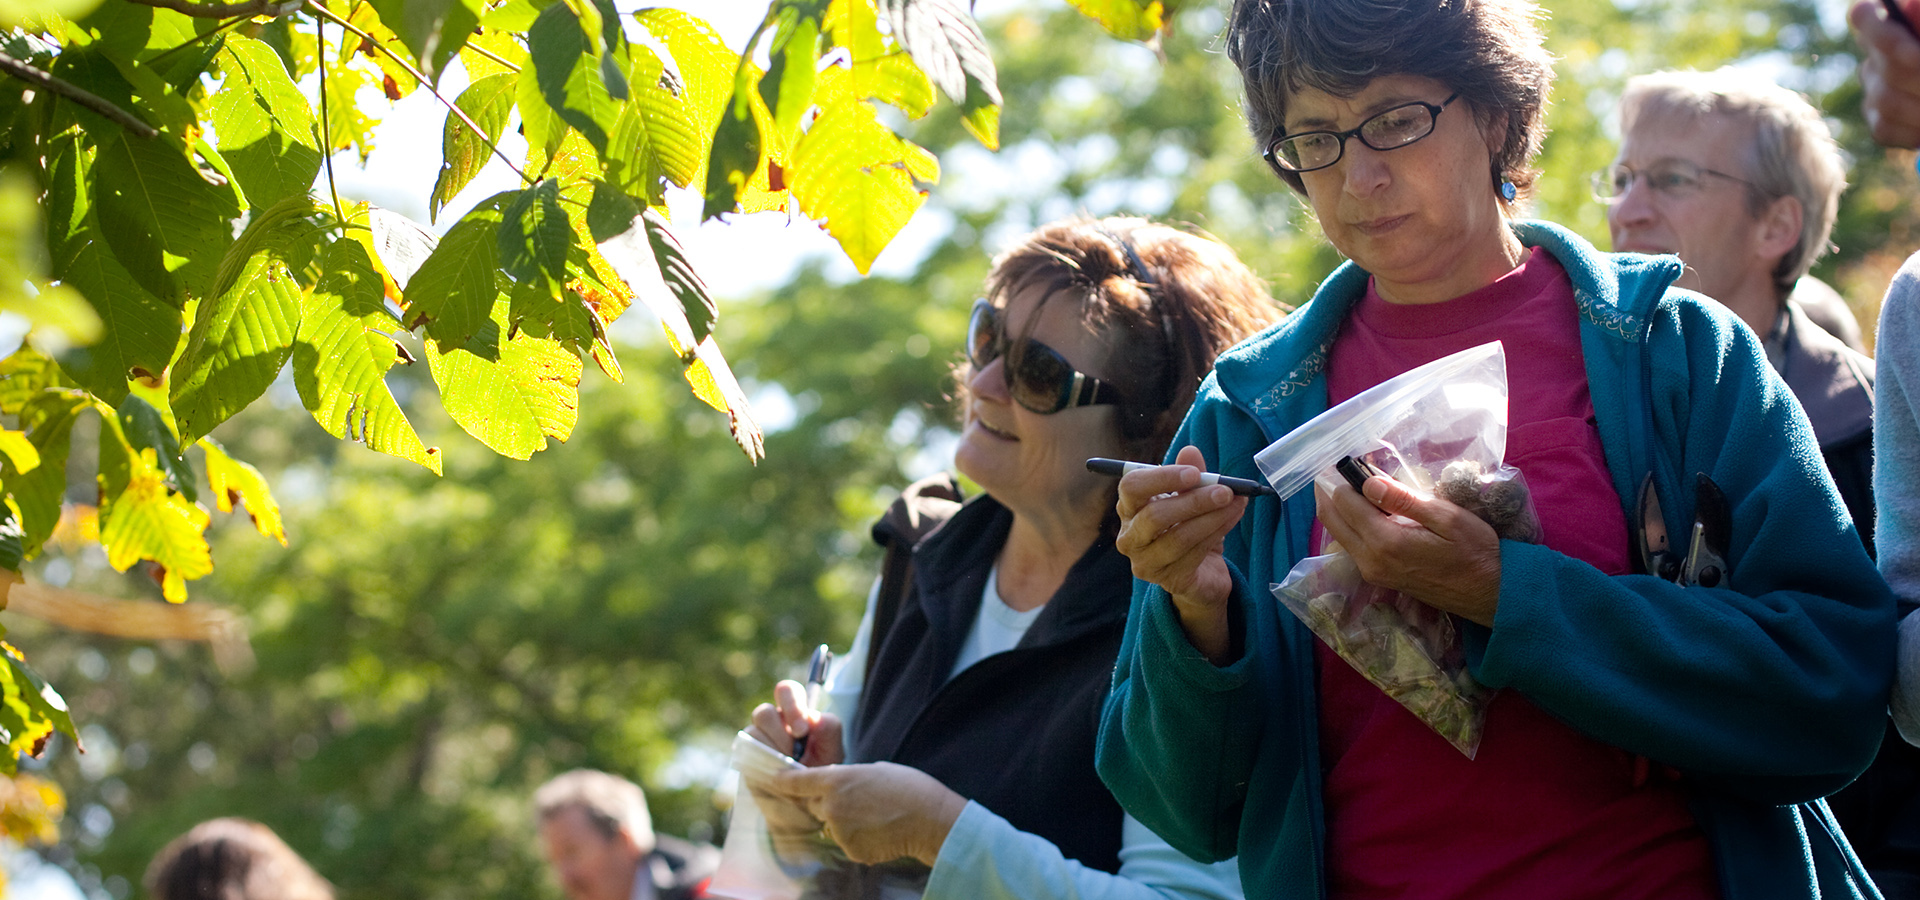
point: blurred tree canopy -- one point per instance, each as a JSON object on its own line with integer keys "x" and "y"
{"x": 429, "y": 650}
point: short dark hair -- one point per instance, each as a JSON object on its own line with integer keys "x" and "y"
{"x": 1168, "y": 300}
{"x": 1490, "y": 51}
{"x": 232, "y": 859}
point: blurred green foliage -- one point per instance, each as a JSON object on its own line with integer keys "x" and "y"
{"x": 430, "y": 650}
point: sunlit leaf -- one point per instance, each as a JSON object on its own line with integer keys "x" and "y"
{"x": 489, "y": 102}
{"x": 701, "y": 77}
{"x": 569, "y": 74}
{"x": 455, "y": 289}
{"x": 30, "y": 709}
{"x": 240, "y": 341}
{"x": 1131, "y": 20}
{"x": 892, "y": 79}
{"x": 736, "y": 151}
{"x": 510, "y": 394}
{"x": 495, "y": 43}
{"x": 344, "y": 347}
{"x": 648, "y": 258}
{"x": 855, "y": 25}
{"x": 22, "y": 456}
{"x": 267, "y": 130}
{"x": 234, "y": 482}
{"x": 148, "y": 521}
{"x": 857, "y": 177}
{"x": 787, "y": 88}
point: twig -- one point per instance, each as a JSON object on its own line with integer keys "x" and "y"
{"x": 326, "y": 119}
{"x": 79, "y": 95}
{"x": 188, "y": 43}
{"x": 215, "y": 10}
{"x": 492, "y": 56}
{"x": 417, "y": 76}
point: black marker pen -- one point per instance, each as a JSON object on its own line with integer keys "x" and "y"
{"x": 816, "y": 675}
{"x": 1242, "y": 486}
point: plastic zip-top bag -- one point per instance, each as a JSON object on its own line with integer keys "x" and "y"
{"x": 759, "y": 862}
{"x": 1438, "y": 429}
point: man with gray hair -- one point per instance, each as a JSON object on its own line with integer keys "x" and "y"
{"x": 1741, "y": 178}
{"x": 598, "y": 837}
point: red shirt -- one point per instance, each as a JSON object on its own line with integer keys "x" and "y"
{"x": 1543, "y": 811}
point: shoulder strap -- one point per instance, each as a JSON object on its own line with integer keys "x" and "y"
{"x": 922, "y": 508}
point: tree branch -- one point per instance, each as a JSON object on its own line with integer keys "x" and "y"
{"x": 79, "y": 95}
{"x": 215, "y": 10}
{"x": 417, "y": 76}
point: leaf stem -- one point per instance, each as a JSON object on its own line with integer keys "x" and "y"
{"x": 67, "y": 89}
{"x": 492, "y": 56}
{"x": 188, "y": 43}
{"x": 214, "y": 10}
{"x": 326, "y": 118}
{"x": 451, "y": 108}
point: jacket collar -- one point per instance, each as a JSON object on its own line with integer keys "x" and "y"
{"x": 1616, "y": 293}
{"x": 1833, "y": 383}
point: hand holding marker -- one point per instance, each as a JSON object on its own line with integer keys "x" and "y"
{"x": 816, "y": 675}
{"x": 1242, "y": 486}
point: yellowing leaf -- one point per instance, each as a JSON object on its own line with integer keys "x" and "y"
{"x": 1131, "y": 20}
{"x": 234, "y": 482}
{"x": 509, "y": 393}
{"x": 20, "y": 451}
{"x": 854, "y": 175}
{"x": 147, "y": 521}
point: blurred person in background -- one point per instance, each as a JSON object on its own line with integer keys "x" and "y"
{"x": 966, "y": 733}
{"x": 1890, "y": 71}
{"x": 599, "y": 838}
{"x": 1653, "y": 734}
{"x": 1741, "y": 179}
{"x": 232, "y": 859}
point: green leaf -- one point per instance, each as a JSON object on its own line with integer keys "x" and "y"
{"x": 44, "y": 404}
{"x": 146, "y": 428}
{"x": 30, "y": 710}
{"x": 455, "y": 289}
{"x": 165, "y": 223}
{"x": 89, "y": 69}
{"x": 857, "y": 177}
{"x": 736, "y": 151}
{"x": 12, "y": 551}
{"x": 433, "y": 30}
{"x": 533, "y": 237}
{"x": 541, "y": 123}
{"x": 513, "y": 15}
{"x": 239, "y": 343}
{"x": 787, "y": 87}
{"x": 1128, "y": 20}
{"x": 635, "y": 254}
{"x": 138, "y": 331}
{"x": 942, "y": 37}
{"x": 654, "y": 136}
{"x": 570, "y": 76}
{"x": 980, "y": 115}
{"x": 510, "y": 394}
{"x": 265, "y": 127}
{"x": 489, "y": 102}
{"x": 342, "y": 353}
{"x": 703, "y": 63}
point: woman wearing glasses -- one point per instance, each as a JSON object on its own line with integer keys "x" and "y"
{"x": 970, "y": 717}
{"x": 1649, "y": 738}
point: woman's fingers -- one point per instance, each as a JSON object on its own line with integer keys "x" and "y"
{"x": 876, "y": 812}
{"x": 768, "y": 728}
{"x": 1427, "y": 547}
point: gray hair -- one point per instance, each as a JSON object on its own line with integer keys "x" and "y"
{"x": 611, "y": 803}
{"x": 1490, "y": 51}
{"x": 1793, "y": 154}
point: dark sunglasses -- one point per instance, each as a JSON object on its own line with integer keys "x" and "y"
{"x": 1038, "y": 377}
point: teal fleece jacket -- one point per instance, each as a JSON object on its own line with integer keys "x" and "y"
{"x": 1766, "y": 695}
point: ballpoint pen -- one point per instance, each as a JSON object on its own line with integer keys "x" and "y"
{"x": 816, "y": 675}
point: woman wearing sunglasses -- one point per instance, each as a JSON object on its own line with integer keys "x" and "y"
{"x": 965, "y": 736}
{"x": 1650, "y": 738}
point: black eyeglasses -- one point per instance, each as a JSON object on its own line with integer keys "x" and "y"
{"x": 1386, "y": 130}
{"x": 1038, "y": 377}
{"x": 1675, "y": 178}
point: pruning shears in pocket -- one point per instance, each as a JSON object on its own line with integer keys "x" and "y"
{"x": 1703, "y": 561}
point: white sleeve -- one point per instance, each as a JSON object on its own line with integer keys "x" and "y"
{"x": 986, "y": 858}
{"x": 849, "y": 675}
